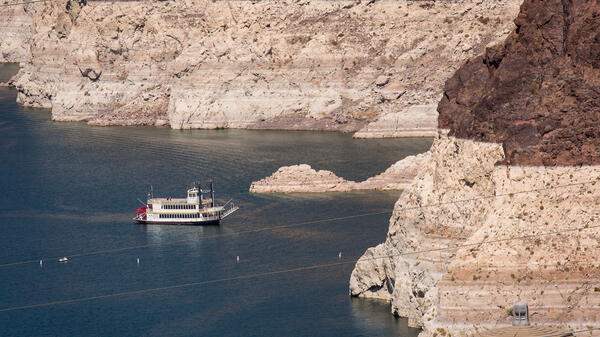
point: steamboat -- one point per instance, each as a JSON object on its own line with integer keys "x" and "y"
{"x": 196, "y": 209}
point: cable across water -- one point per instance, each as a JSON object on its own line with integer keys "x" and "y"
{"x": 297, "y": 269}
{"x": 262, "y": 229}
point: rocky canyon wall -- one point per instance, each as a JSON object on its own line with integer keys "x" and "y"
{"x": 461, "y": 197}
{"x": 321, "y": 65}
{"x": 514, "y": 186}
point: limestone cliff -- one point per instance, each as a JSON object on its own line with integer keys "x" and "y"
{"x": 322, "y": 65}
{"x": 464, "y": 289}
{"x": 521, "y": 160}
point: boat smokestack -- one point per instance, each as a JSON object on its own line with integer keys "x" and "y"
{"x": 212, "y": 194}
{"x": 199, "y": 187}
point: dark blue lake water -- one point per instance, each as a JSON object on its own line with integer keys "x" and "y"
{"x": 68, "y": 189}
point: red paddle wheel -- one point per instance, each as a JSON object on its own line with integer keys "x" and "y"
{"x": 140, "y": 213}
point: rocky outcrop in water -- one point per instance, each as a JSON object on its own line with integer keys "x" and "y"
{"x": 539, "y": 93}
{"x": 304, "y": 179}
{"x": 321, "y": 65}
{"x": 301, "y": 178}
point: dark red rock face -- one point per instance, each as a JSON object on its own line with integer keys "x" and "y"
{"x": 539, "y": 93}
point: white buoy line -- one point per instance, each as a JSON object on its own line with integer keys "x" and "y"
{"x": 256, "y": 230}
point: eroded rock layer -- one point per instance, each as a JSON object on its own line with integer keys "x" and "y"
{"x": 321, "y": 65}
{"x": 538, "y": 93}
{"x": 414, "y": 121}
{"x": 16, "y": 28}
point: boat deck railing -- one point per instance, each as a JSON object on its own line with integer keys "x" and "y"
{"x": 229, "y": 208}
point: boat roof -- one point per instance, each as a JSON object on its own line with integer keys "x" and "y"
{"x": 171, "y": 200}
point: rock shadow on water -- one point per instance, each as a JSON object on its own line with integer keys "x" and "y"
{"x": 371, "y": 315}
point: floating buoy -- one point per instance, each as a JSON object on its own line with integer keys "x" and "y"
{"x": 340, "y": 255}
{"x": 138, "y": 260}
{"x": 41, "y": 263}
{"x": 237, "y": 258}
